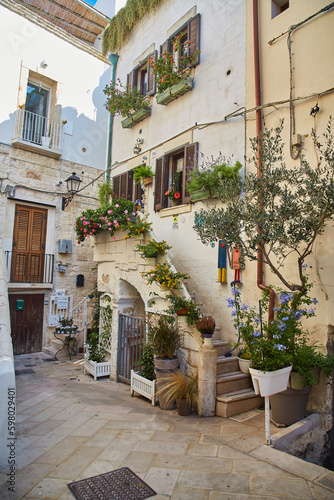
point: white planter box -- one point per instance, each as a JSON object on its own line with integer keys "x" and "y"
{"x": 143, "y": 386}
{"x": 269, "y": 383}
{"x": 97, "y": 369}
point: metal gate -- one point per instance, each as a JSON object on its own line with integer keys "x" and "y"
{"x": 131, "y": 337}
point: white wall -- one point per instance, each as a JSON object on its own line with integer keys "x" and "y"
{"x": 82, "y": 79}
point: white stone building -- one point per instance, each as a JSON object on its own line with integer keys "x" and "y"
{"x": 52, "y": 123}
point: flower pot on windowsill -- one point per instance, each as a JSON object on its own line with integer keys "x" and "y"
{"x": 269, "y": 383}
{"x": 175, "y": 91}
{"x": 175, "y": 203}
{"x": 136, "y": 117}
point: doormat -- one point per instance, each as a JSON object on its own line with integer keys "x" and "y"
{"x": 120, "y": 484}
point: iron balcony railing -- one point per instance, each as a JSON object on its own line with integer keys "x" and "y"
{"x": 29, "y": 267}
{"x": 37, "y": 129}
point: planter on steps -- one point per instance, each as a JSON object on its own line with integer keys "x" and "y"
{"x": 244, "y": 365}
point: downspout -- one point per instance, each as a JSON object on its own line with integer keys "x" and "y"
{"x": 258, "y": 103}
{"x": 113, "y": 58}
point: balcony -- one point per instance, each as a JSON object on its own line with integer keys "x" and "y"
{"x": 38, "y": 134}
{"x": 29, "y": 267}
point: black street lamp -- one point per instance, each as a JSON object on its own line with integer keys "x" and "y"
{"x": 73, "y": 185}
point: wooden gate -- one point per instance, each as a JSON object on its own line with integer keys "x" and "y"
{"x": 131, "y": 337}
{"x": 26, "y": 322}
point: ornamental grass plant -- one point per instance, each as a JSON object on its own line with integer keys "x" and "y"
{"x": 176, "y": 386}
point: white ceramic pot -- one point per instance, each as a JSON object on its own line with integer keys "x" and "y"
{"x": 244, "y": 365}
{"x": 269, "y": 383}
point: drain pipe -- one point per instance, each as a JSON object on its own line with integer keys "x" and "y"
{"x": 258, "y": 103}
{"x": 113, "y": 58}
{"x": 259, "y": 280}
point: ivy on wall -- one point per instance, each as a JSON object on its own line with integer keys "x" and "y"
{"x": 120, "y": 25}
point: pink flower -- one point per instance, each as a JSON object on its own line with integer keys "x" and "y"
{"x": 133, "y": 213}
{"x": 128, "y": 218}
{"x": 109, "y": 211}
{"x": 125, "y": 211}
{"x": 114, "y": 237}
{"x": 109, "y": 228}
{"x": 116, "y": 205}
{"x": 109, "y": 223}
{"x": 115, "y": 221}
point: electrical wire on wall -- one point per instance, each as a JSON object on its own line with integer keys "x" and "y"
{"x": 295, "y": 149}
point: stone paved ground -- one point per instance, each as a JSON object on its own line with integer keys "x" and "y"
{"x": 70, "y": 427}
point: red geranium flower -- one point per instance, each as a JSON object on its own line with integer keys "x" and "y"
{"x": 177, "y": 195}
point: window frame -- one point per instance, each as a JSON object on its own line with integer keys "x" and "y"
{"x": 124, "y": 186}
{"x": 165, "y": 171}
{"x": 193, "y": 27}
{"x": 134, "y": 77}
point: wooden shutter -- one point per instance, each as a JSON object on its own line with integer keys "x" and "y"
{"x": 194, "y": 36}
{"x": 190, "y": 162}
{"x": 29, "y": 244}
{"x": 129, "y": 185}
{"x": 158, "y": 185}
{"x": 116, "y": 186}
{"x": 164, "y": 200}
{"x": 132, "y": 78}
{"x": 151, "y": 85}
{"x": 123, "y": 183}
{"x": 166, "y": 46}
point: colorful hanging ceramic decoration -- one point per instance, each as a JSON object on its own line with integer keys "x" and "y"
{"x": 236, "y": 263}
{"x": 222, "y": 261}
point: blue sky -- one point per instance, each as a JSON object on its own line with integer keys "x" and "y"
{"x": 91, "y": 2}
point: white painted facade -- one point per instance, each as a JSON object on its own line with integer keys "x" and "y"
{"x": 197, "y": 116}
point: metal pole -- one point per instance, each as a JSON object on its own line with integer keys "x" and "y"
{"x": 113, "y": 58}
{"x": 267, "y": 418}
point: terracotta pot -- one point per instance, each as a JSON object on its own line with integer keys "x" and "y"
{"x": 184, "y": 407}
{"x": 181, "y": 312}
{"x": 175, "y": 203}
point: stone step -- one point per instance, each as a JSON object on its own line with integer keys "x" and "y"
{"x": 235, "y": 402}
{"x": 227, "y": 365}
{"x": 221, "y": 346}
{"x": 233, "y": 381}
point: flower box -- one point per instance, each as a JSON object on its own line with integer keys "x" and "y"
{"x": 97, "y": 369}
{"x": 269, "y": 383}
{"x": 175, "y": 91}
{"x": 136, "y": 117}
{"x": 143, "y": 386}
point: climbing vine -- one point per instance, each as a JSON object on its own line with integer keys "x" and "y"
{"x": 120, "y": 25}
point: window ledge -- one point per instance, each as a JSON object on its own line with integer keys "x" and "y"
{"x": 179, "y": 209}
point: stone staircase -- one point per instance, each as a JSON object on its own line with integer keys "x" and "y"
{"x": 235, "y": 393}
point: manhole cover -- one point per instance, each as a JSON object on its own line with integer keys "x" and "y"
{"x": 120, "y": 484}
{"x": 24, "y": 372}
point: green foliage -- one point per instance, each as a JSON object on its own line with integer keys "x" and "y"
{"x": 96, "y": 352}
{"x": 164, "y": 336}
{"x": 176, "y": 386}
{"x": 167, "y": 70}
{"x": 65, "y": 321}
{"x": 125, "y": 20}
{"x": 164, "y": 276}
{"x": 99, "y": 339}
{"x": 281, "y": 212}
{"x": 146, "y": 362}
{"x": 283, "y": 341}
{"x": 123, "y": 100}
{"x": 153, "y": 248}
{"x": 105, "y": 192}
{"x": 220, "y": 179}
{"x": 138, "y": 227}
{"x": 120, "y": 214}
{"x": 189, "y": 307}
{"x": 141, "y": 172}
{"x": 173, "y": 192}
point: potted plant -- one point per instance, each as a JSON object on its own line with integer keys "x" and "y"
{"x": 95, "y": 362}
{"x": 152, "y": 249}
{"x": 178, "y": 387}
{"x": 126, "y": 101}
{"x": 165, "y": 339}
{"x": 144, "y": 174}
{"x": 244, "y": 359}
{"x": 143, "y": 381}
{"x": 183, "y": 307}
{"x": 138, "y": 228}
{"x": 215, "y": 179}
{"x": 206, "y": 326}
{"x": 165, "y": 277}
{"x": 174, "y": 192}
{"x": 171, "y": 71}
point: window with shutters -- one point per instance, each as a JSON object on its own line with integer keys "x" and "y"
{"x": 28, "y": 253}
{"x": 188, "y": 36}
{"x": 142, "y": 78}
{"x": 125, "y": 187}
{"x": 181, "y": 161}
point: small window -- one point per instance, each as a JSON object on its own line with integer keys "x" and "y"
{"x": 142, "y": 78}
{"x": 124, "y": 187}
{"x": 189, "y": 38}
{"x": 278, "y": 6}
{"x": 172, "y": 171}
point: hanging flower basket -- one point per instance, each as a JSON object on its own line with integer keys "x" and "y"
{"x": 136, "y": 117}
{"x": 175, "y": 91}
{"x": 269, "y": 383}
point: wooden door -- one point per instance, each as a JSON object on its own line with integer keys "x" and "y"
{"x": 28, "y": 244}
{"x": 27, "y": 324}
